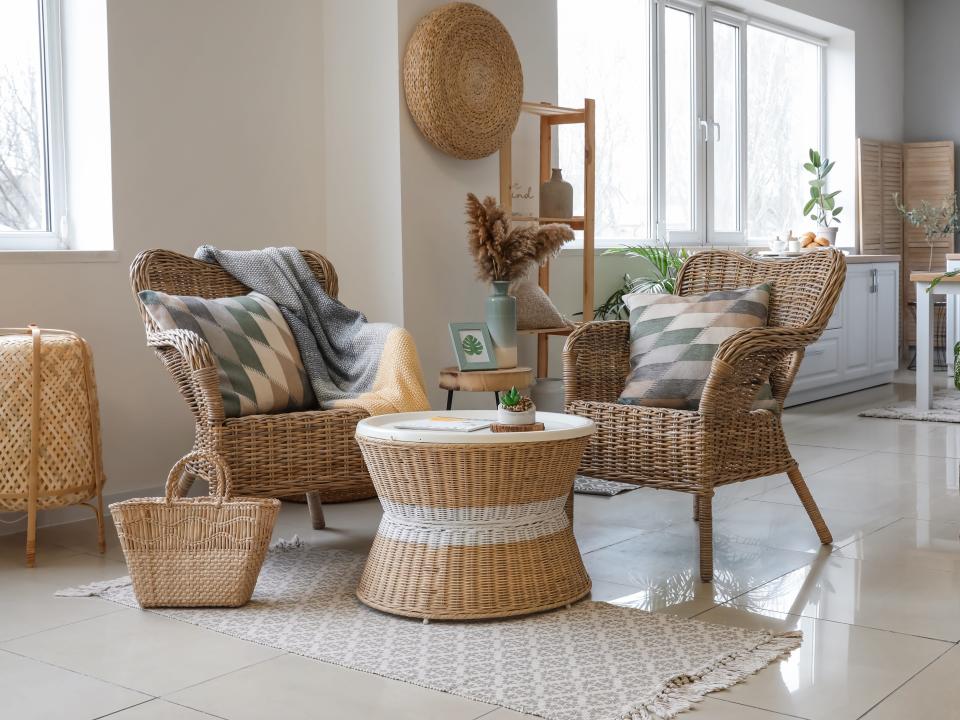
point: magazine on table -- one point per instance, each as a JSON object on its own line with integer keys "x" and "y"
{"x": 445, "y": 423}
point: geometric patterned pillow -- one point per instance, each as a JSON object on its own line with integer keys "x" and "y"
{"x": 673, "y": 340}
{"x": 258, "y": 363}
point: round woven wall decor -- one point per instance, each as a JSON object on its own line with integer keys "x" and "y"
{"x": 463, "y": 81}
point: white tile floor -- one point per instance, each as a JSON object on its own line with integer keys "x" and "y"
{"x": 880, "y": 611}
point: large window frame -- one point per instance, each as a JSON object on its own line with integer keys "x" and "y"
{"x": 703, "y": 122}
{"x": 55, "y": 235}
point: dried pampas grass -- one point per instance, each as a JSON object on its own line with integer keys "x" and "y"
{"x": 504, "y": 252}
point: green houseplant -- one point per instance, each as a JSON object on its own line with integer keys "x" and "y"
{"x": 821, "y": 206}
{"x": 934, "y": 220}
{"x": 664, "y": 262}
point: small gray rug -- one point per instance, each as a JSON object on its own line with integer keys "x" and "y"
{"x": 595, "y": 486}
{"x": 594, "y": 661}
{"x": 945, "y": 408}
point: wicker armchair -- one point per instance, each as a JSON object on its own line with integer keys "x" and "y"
{"x": 278, "y": 455}
{"x": 725, "y": 441}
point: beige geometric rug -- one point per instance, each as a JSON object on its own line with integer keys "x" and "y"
{"x": 595, "y": 661}
{"x": 944, "y": 408}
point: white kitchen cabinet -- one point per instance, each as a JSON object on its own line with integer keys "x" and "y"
{"x": 860, "y": 347}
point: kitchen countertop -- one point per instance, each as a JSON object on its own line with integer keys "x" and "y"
{"x": 854, "y": 259}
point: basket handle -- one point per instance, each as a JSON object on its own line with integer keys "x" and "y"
{"x": 221, "y": 471}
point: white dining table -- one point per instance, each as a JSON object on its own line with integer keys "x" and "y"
{"x": 949, "y": 286}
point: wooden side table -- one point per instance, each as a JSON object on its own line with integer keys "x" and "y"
{"x": 495, "y": 381}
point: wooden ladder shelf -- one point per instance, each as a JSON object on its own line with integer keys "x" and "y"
{"x": 551, "y": 116}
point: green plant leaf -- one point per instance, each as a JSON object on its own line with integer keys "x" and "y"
{"x": 815, "y": 158}
{"x": 809, "y": 167}
{"x": 828, "y": 168}
{"x": 836, "y": 211}
{"x": 814, "y": 192}
{"x": 828, "y": 202}
{"x": 818, "y": 183}
{"x": 472, "y": 346}
{"x": 809, "y": 206}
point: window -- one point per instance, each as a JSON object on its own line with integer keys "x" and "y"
{"x": 704, "y": 118}
{"x": 32, "y": 178}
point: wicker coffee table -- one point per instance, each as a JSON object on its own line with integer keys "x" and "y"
{"x": 475, "y": 525}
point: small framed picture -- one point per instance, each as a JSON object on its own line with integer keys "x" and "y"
{"x": 473, "y": 346}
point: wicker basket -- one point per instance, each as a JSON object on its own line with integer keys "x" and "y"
{"x": 49, "y": 426}
{"x": 195, "y": 552}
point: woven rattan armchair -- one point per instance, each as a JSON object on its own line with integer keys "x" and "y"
{"x": 725, "y": 441}
{"x": 277, "y": 455}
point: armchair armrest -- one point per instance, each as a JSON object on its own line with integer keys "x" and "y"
{"x": 188, "y": 358}
{"x": 749, "y": 358}
{"x": 596, "y": 361}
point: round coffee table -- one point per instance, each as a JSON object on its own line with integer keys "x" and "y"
{"x": 475, "y": 524}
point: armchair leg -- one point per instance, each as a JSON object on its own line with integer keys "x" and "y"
{"x": 803, "y": 492}
{"x": 696, "y": 508}
{"x": 315, "y": 506}
{"x": 705, "y": 518}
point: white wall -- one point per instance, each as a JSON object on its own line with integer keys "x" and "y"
{"x": 362, "y": 163}
{"x": 931, "y": 102}
{"x": 438, "y": 275}
{"x": 216, "y": 119}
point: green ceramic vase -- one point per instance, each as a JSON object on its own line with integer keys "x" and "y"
{"x": 501, "y": 312}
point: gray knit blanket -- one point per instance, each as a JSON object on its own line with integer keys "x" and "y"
{"x": 341, "y": 350}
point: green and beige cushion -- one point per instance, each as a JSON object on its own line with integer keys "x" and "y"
{"x": 674, "y": 338}
{"x": 259, "y": 365}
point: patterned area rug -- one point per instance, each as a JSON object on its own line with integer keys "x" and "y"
{"x": 945, "y": 408}
{"x": 595, "y": 486}
{"x": 594, "y": 661}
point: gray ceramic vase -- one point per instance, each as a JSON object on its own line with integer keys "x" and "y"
{"x": 501, "y": 312}
{"x": 556, "y": 197}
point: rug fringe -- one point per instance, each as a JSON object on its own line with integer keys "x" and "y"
{"x": 95, "y": 588}
{"x": 680, "y": 694}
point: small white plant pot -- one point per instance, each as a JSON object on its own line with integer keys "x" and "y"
{"x": 509, "y": 417}
{"x": 830, "y": 233}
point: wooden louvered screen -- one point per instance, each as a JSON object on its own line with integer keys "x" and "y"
{"x": 928, "y": 174}
{"x": 891, "y": 181}
{"x": 879, "y": 172}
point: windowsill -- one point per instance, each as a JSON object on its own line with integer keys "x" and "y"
{"x": 39, "y": 257}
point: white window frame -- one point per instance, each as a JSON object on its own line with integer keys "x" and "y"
{"x": 55, "y": 237}
{"x": 822, "y": 71}
{"x": 703, "y": 232}
{"x": 739, "y": 22}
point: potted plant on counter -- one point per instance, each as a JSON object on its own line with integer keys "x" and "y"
{"x": 822, "y": 206}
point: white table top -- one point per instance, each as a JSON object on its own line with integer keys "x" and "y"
{"x": 556, "y": 427}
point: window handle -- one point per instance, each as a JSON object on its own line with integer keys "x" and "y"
{"x": 705, "y": 127}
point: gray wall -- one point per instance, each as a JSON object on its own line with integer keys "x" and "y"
{"x": 931, "y": 102}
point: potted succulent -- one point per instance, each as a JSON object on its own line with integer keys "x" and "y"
{"x": 515, "y": 409}
{"x": 821, "y": 206}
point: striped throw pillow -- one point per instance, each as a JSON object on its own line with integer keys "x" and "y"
{"x": 259, "y": 365}
{"x": 673, "y": 340}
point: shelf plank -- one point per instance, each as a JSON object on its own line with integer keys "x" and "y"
{"x": 548, "y": 331}
{"x": 574, "y": 222}
{"x": 545, "y": 108}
